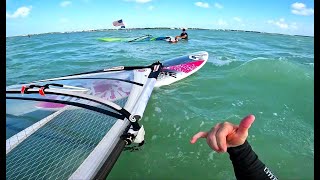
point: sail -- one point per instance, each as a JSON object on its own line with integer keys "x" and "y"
{"x": 70, "y": 127}
{"x": 136, "y": 39}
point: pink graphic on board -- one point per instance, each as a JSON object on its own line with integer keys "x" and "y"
{"x": 113, "y": 96}
{"x": 121, "y": 90}
{"x": 111, "y": 90}
{"x": 102, "y": 86}
{"x": 50, "y": 105}
{"x": 187, "y": 67}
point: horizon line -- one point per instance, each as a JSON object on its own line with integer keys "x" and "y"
{"x": 171, "y": 28}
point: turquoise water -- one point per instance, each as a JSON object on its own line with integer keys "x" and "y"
{"x": 268, "y": 75}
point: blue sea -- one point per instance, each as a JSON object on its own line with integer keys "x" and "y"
{"x": 268, "y": 75}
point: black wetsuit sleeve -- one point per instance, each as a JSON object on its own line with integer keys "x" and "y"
{"x": 182, "y": 34}
{"x": 246, "y": 164}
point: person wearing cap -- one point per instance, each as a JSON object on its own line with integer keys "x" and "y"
{"x": 183, "y": 35}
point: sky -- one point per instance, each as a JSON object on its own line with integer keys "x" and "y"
{"x": 295, "y": 17}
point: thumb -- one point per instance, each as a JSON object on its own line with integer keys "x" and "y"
{"x": 197, "y": 136}
{"x": 245, "y": 124}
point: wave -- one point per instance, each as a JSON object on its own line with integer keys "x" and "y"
{"x": 61, "y": 45}
{"x": 263, "y": 69}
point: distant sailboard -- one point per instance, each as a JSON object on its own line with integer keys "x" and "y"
{"x": 135, "y": 39}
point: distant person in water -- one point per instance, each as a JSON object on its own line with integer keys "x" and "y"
{"x": 227, "y": 137}
{"x": 183, "y": 35}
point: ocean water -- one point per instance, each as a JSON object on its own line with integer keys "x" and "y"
{"x": 268, "y": 75}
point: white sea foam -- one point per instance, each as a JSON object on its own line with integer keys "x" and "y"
{"x": 157, "y": 109}
{"x": 211, "y": 156}
{"x": 154, "y": 137}
{"x": 311, "y": 64}
{"x": 218, "y": 62}
{"x": 202, "y": 123}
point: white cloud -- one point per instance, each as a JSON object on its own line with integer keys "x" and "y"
{"x": 65, "y": 3}
{"x": 202, "y": 4}
{"x": 139, "y": 1}
{"x": 280, "y": 23}
{"x": 293, "y": 26}
{"x": 64, "y": 20}
{"x": 298, "y": 5}
{"x": 237, "y": 19}
{"x": 20, "y": 12}
{"x": 217, "y": 5}
{"x": 142, "y": 1}
{"x": 221, "y": 22}
{"x": 150, "y": 8}
{"x": 301, "y": 9}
